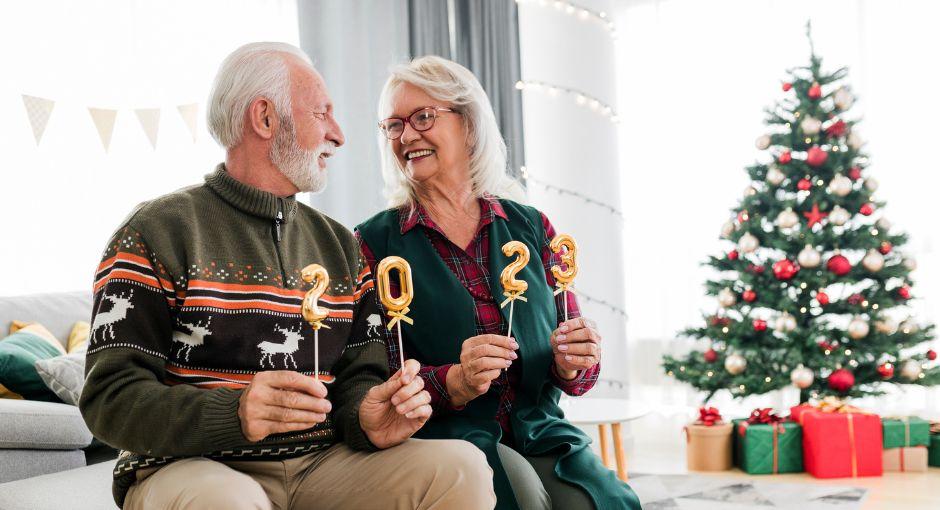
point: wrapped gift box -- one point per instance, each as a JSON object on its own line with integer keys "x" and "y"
{"x": 839, "y": 444}
{"x": 906, "y": 431}
{"x": 905, "y": 459}
{"x": 933, "y": 451}
{"x": 709, "y": 442}
{"x": 768, "y": 448}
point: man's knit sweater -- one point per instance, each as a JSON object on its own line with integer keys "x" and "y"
{"x": 197, "y": 292}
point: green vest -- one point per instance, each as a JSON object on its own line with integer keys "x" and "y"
{"x": 443, "y": 313}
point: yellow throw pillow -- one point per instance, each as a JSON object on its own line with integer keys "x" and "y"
{"x": 79, "y": 336}
{"x": 17, "y": 325}
{"x": 6, "y": 393}
{"x": 40, "y": 331}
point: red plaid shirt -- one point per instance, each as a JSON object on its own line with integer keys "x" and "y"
{"x": 471, "y": 266}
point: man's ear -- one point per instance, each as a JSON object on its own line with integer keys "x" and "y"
{"x": 262, "y": 118}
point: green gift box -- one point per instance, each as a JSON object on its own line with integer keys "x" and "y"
{"x": 906, "y": 431}
{"x": 933, "y": 451}
{"x": 764, "y": 448}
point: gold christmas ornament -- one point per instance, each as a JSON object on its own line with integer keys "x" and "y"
{"x": 748, "y": 243}
{"x": 727, "y": 229}
{"x": 727, "y": 298}
{"x": 883, "y": 224}
{"x": 811, "y": 126}
{"x": 735, "y": 364}
{"x": 873, "y": 261}
{"x": 911, "y": 370}
{"x": 787, "y": 218}
{"x": 775, "y": 176}
{"x": 785, "y": 323}
{"x": 910, "y": 263}
{"x": 762, "y": 142}
{"x": 871, "y": 184}
{"x": 802, "y": 377}
{"x": 855, "y": 141}
{"x": 840, "y": 185}
{"x": 887, "y": 326}
{"x": 839, "y": 216}
{"x": 843, "y": 99}
{"x": 858, "y": 328}
{"x": 809, "y": 257}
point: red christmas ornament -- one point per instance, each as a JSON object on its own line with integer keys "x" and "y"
{"x": 814, "y": 92}
{"x": 804, "y": 184}
{"x": 814, "y": 216}
{"x": 822, "y": 298}
{"x": 885, "y": 370}
{"x": 720, "y": 321}
{"x": 931, "y": 354}
{"x": 838, "y": 265}
{"x": 787, "y": 86}
{"x": 855, "y": 173}
{"x": 904, "y": 292}
{"x": 710, "y": 356}
{"x": 855, "y": 299}
{"x": 841, "y": 380}
{"x": 754, "y": 268}
{"x": 826, "y": 346}
{"x": 784, "y": 158}
{"x": 784, "y": 269}
{"x": 867, "y": 209}
{"x": 885, "y": 248}
{"x": 760, "y": 325}
{"x": 838, "y": 128}
{"x": 743, "y": 216}
{"x": 733, "y": 255}
{"x": 749, "y": 295}
{"x": 816, "y": 156}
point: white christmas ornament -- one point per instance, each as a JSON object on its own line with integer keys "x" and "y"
{"x": 843, "y": 99}
{"x": 840, "y": 185}
{"x": 811, "y": 126}
{"x": 735, "y": 364}
{"x": 801, "y": 377}
{"x": 748, "y": 243}
{"x": 787, "y": 218}
{"x": 910, "y": 263}
{"x": 887, "y": 326}
{"x": 858, "y": 328}
{"x": 910, "y": 370}
{"x": 762, "y": 142}
{"x": 883, "y": 223}
{"x": 855, "y": 141}
{"x": 785, "y": 323}
{"x": 871, "y": 184}
{"x": 839, "y": 216}
{"x": 809, "y": 257}
{"x": 873, "y": 261}
{"x": 727, "y": 229}
{"x": 726, "y": 297}
{"x": 775, "y": 176}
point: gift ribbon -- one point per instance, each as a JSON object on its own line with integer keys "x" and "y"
{"x": 708, "y": 416}
{"x": 901, "y": 458}
{"x": 907, "y": 427}
{"x": 399, "y": 316}
{"x": 563, "y": 287}
{"x": 512, "y": 296}
{"x": 852, "y": 446}
{"x": 766, "y": 416}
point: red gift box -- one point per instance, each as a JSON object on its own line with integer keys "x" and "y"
{"x": 839, "y": 442}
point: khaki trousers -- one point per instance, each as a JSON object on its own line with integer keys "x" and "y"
{"x": 438, "y": 474}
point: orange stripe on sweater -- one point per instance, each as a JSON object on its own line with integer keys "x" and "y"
{"x": 129, "y": 275}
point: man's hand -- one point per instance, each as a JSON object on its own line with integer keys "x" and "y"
{"x": 394, "y": 410}
{"x": 281, "y": 401}
{"x": 576, "y": 345}
{"x": 482, "y": 359}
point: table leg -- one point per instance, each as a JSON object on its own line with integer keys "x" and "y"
{"x": 618, "y": 451}
{"x": 602, "y": 432}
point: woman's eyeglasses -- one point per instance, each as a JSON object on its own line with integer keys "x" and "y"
{"x": 421, "y": 120}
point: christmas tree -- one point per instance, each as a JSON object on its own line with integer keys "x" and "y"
{"x": 814, "y": 291}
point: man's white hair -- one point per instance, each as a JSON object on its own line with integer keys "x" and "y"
{"x": 253, "y": 70}
{"x": 453, "y": 83}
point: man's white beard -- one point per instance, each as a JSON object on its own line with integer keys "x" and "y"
{"x": 300, "y": 166}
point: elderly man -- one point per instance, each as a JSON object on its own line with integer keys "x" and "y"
{"x": 200, "y": 366}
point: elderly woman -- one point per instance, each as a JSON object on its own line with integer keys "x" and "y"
{"x": 445, "y": 173}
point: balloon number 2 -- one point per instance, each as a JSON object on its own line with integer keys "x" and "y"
{"x": 312, "y": 313}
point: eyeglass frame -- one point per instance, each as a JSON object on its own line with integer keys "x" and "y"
{"x": 407, "y": 120}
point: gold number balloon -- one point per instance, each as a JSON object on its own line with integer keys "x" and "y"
{"x": 508, "y": 277}
{"x": 567, "y": 257}
{"x": 394, "y": 304}
{"x": 312, "y": 313}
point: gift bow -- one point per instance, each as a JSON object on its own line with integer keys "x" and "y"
{"x": 399, "y": 316}
{"x": 765, "y": 416}
{"x": 836, "y": 405}
{"x": 935, "y": 427}
{"x": 708, "y": 416}
{"x": 563, "y": 287}
{"x": 512, "y": 296}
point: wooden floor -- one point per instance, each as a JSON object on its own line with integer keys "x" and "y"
{"x": 893, "y": 491}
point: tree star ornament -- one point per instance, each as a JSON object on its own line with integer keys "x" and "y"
{"x": 564, "y": 278}
{"x": 397, "y": 307}
{"x": 311, "y": 312}
{"x": 513, "y": 288}
{"x": 814, "y": 216}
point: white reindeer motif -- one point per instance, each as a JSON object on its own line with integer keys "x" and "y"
{"x": 375, "y": 322}
{"x": 105, "y": 320}
{"x": 288, "y": 348}
{"x": 194, "y": 339}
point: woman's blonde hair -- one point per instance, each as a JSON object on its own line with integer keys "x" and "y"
{"x": 453, "y": 83}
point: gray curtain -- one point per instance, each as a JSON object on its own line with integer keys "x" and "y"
{"x": 482, "y": 35}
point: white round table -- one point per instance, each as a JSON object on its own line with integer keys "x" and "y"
{"x": 601, "y": 412}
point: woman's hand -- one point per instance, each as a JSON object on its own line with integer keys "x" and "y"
{"x": 577, "y": 346}
{"x": 482, "y": 359}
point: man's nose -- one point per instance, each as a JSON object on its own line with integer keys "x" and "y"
{"x": 335, "y": 134}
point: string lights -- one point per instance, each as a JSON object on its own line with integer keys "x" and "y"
{"x": 527, "y": 177}
{"x": 581, "y": 98}
{"x": 582, "y": 13}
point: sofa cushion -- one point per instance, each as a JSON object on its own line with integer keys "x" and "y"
{"x": 41, "y": 425}
{"x": 78, "y": 337}
{"x": 56, "y": 311}
{"x": 20, "y": 464}
{"x": 86, "y": 488}
{"x": 18, "y": 355}
{"x": 64, "y": 375}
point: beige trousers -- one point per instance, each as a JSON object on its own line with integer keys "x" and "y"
{"x": 438, "y": 474}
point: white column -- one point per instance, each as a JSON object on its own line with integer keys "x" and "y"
{"x": 568, "y": 72}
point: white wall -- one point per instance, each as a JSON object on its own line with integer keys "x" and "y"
{"x": 63, "y": 198}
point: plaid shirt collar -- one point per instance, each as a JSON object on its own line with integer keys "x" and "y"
{"x": 490, "y": 209}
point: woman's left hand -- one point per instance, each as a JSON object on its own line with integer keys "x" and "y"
{"x": 576, "y": 345}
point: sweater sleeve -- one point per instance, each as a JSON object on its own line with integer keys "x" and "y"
{"x": 125, "y": 401}
{"x": 363, "y": 363}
